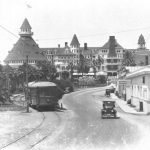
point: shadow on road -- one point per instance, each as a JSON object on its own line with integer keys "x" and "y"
{"x": 111, "y": 118}
{"x": 46, "y": 109}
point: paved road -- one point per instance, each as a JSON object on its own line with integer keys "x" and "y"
{"x": 84, "y": 128}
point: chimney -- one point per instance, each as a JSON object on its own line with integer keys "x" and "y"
{"x": 66, "y": 44}
{"x": 58, "y": 45}
{"x": 112, "y": 45}
{"x": 85, "y": 46}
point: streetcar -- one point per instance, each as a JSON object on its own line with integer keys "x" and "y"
{"x": 44, "y": 94}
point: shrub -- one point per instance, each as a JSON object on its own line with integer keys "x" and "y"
{"x": 63, "y": 84}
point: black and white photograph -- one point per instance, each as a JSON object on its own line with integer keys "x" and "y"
{"x": 74, "y": 75}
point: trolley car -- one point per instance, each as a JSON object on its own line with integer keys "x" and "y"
{"x": 44, "y": 94}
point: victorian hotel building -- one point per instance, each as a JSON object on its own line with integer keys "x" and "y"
{"x": 61, "y": 57}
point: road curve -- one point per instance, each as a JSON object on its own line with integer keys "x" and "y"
{"x": 84, "y": 128}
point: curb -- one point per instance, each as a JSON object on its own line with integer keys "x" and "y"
{"x": 122, "y": 106}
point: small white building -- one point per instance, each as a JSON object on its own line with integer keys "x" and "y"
{"x": 138, "y": 89}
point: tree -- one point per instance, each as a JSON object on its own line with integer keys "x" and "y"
{"x": 83, "y": 65}
{"x": 71, "y": 67}
{"x": 2, "y": 78}
{"x": 100, "y": 61}
{"x": 128, "y": 59}
{"x": 20, "y": 75}
{"x": 47, "y": 70}
{"x": 65, "y": 75}
{"x": 97, "y": 63}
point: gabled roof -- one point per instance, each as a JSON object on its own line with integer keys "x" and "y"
{"x": 25, "y": 24}
{"x": 75, "y": 41}
{"x": 107, "y": 44}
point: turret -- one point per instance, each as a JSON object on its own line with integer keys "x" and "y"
{"x": 75, "y": 43}
{"x": 141, "y": 42}
{"x": 25, "y": 29}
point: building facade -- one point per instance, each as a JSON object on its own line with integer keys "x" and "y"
{"x": 62, "y": 57}
{"x": 138, "y": 89}
{"x": 141, "y": 56}
{"x": 112, "y": 52}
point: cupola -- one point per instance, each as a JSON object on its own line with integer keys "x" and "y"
{"x": 25, "y": 29}
{"x": 141, "y": 42}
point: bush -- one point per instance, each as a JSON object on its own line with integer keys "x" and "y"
{"x": 86, "y": 81}
{"x": 64, "y": 84}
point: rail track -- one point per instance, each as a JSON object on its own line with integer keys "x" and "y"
{"x": 23, "y": 136}
{"x": 38, "y": 129}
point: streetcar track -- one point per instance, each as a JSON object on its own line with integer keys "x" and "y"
{"x": 42, "y": 122}
{"x": 45, "y": 137}
{"x": 20, "y": 138}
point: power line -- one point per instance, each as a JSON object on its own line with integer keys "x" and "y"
{"x": 92, "y": 35}
{"x": 9, "y": 31}
{"x": 122, "y": 31}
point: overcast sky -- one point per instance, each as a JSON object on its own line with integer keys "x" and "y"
{"x": 93, "y": 21}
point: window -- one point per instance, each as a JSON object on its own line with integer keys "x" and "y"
{"x": 146, "y": 60}
{"x": 102, "y": 67}
{"x": 144, "y": 79}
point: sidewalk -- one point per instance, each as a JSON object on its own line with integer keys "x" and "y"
{"x": 126, "y": 107}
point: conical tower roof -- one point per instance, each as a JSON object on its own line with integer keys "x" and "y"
{"x": 141, "y": 40}
{"x": 25, "y": 29}
{"x": 75, "y": 41}
{"x": 25, "y": 24}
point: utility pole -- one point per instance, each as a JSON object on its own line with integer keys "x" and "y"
{"x": 27, "y": 97}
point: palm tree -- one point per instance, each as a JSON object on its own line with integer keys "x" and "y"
{"x": 100, "y": 61}
{"x": 71, "y": 67}
{"x": 83, "y": 66}
{"x": 97, "y": 63}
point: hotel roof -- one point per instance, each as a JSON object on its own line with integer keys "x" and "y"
{"x": 25, "y": 46}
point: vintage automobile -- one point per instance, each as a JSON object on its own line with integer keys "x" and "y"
{"x": 44, "y": 94}
{"x": 111, "y": 87}
{"x": 107, "y": 92}
{"x": 108, "y": 110}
